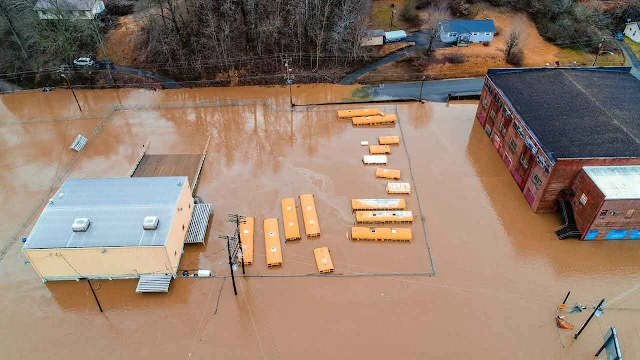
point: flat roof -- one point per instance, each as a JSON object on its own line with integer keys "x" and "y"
{"x": 116, "y": 208}
{"x": 574, "y": 112}
{"x": 616, "y": 182}
{"x": 468, "y": 26}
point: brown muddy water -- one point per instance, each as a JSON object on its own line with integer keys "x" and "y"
{"x": 500, "y": 273}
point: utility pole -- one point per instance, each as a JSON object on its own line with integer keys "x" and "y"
{"x": 421, "y": 86}
{"x": 238, "y": 219}
{"x": 598, "y": 308}
{"x": 289, "y": 80}
{"x": 599, "y": 52}
{"x": 230, "y": 251}
{"x": 73, "y": 92}
{"x": 393, "y": 14}
{"x": 94, "y": 295}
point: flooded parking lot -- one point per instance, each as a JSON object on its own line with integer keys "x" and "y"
{"x": 500, "y": 271}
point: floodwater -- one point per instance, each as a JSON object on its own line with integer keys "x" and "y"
{"x": 500, "y": 273}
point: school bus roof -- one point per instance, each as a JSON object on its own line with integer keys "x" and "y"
{"x": 359, "y": 112}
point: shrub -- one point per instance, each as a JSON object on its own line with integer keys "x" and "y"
{"x": 486, "y": 43}
{"x": 119, "y": 7}
{"x": 498, "y": 30}
{"x": 409, "y": 12}
{"x": 460, "y": 8}
{"x": 515, "y": 57}
{"x": 455, "y": 58}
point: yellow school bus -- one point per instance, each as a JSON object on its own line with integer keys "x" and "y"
{"x": 380, "y": 234}
{"x": 348, "y": 114}
{"x": 290, "y": 220}
{"x": 389, "y": 119}
{"x": 309, "y": 215}
{"x": 387, "y": 174}
{"x": 272, "y": 242}
{"x": 323, "y": 260}
{"x": 384, "y": 217}
{"x": 379, "y": 150}
{"x": 398, "y": 188}
{"x": 389, "y": 140}
{"x": 377, "y": 204}
{"x": 246, "y": 236}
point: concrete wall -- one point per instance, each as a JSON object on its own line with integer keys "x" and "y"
{"x": 102, "y": 263}
{"x": 632, "y": 31}
{"x": 179, "y": 227}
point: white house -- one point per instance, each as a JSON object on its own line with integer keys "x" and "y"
{"x": 69, "y": 9}
{"x": 632, "y": 31}
{"x": 462, "y": 32}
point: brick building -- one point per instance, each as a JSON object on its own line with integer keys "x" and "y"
{"x": 548, "y": 123}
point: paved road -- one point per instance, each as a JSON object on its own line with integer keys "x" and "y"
{"x": 436, "y": 91}
{"x": 166, "y": 82}
{"x": 418, "y": 37}
{"x": 631, "y": 58}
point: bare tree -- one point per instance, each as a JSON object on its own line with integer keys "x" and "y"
{"x": 436, "y": 14}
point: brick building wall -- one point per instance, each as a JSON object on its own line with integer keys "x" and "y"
{"x": 586, "y": 202}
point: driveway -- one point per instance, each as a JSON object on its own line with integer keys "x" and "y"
{"x": 631, "y": 58}
{"x": 166, "y": 82}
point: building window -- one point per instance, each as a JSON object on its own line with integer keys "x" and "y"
{"x": 583, "y": 199}
{"x": 524, "y": 162}
{"x": 503, "y": 130}
{"x": 603, "y": 214}
{"x": 512, "y": 145}
{"x": 475, "y": 33}
{"x": 518, "y": 129}
{"x": 485, "y": 101}
{"x": 492, "y": 115}
{"x": 629, "y": 214}
{"x": 452, "y": 34}
{"x": 487, "y": 34}
{"x": 536, "y": 180}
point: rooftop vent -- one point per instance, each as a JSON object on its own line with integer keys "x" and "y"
{"x": 80, "y": 224}
{"x": 150, "y": 223}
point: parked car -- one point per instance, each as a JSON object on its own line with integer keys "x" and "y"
{"x": 104, "y": 64}
{"x": 619, "y": 36}
{"x": 83, "y": 61}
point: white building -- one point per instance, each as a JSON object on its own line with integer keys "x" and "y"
{"x": 632, "y": 31}
{"x": 68, "y": 9}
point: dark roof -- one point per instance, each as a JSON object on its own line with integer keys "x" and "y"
{"x": 467, "y": 26}
{"x": 373, "y": 33}
{"x": 78, "y": 5}
{"x": 576, "y": 113}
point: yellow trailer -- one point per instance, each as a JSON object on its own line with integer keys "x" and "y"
{"x": 272, "y": 242}
{"x": 348, "y": 114}
{"x": 309, "y": 215}
{"x": 398, "y": 188}
{"x": 379, "y": 150}
{"x": 389, "y": 140}
{"x": 246, "y": 236}
{"x": 323, "y": 260}
{"x": 380, "y": 234}
{"x": 384, "y": 217}
{"x": 377, "y": 204}
{"x": 388, "y": 174}
{"x": 290, "y": 220}
{"x": 389, "y": 119}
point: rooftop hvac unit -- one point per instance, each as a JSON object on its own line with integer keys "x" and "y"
{"x": 150, "y": 223}
{"x": 80, "y": 224}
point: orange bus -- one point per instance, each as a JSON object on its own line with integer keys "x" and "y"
{"x": 309, "y": 215}
{"x": 384, "y": 217}
{"x": 379, "y": 150}
{"x": 272, "y": 242}
{"x": 380, "y": 234}
{"x": 377, "y": 204}
{"x": 398, "y": 188}
{"x": 388, "y": 174}
{"x": 246, "y": 236}
{"x": 348, "y": 114}
{"x": 389, "y": 140}
{"x": 374, "y": 159}
{"x": 389, "y": 119}
{"x": 323, "y": 260}
{"x": 290, "y": 220}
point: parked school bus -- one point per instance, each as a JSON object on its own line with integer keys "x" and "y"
{"x": 384, "y": 217}
{"x": 388, "y": 140}
{"x": 380, "y": 234}
{"x": 398, "y": 188}
{"x": 377, "y": 204}
{"x": 290, "y": 220}
{"x": 389, "y": 119}
{"x": 309, "y": 215}
{"x": 348, "y": 114}
{"x": 323, "y": 260}
{"x": 272, "y": 245}
{"x": 388, "y": 174}
{"x": 379, "y": 150}
{"x": 246, "y": 236}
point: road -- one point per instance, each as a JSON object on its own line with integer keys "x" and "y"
{"x": 166, "y": 82}
{"x": 631, "y": 58}
{"x": 436, "y": 91}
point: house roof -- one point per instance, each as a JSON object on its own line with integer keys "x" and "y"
{"x": 576, "y": 112}
{"x": 373, "y": 33}
{"x": 616, "y": 182}
{"x": 115, "y": 207}
{"x": 468, "y": 26}
{"x": 77, "y": 5}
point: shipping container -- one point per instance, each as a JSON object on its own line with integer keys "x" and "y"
{"x": 309, "y": 215}
{"x": 380, "y": 234}
{"x": 384, "y": 217}
{"x": 378, "y": 204}
{"x": 290, "y": 220}
{"x": 272, "y": 244}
